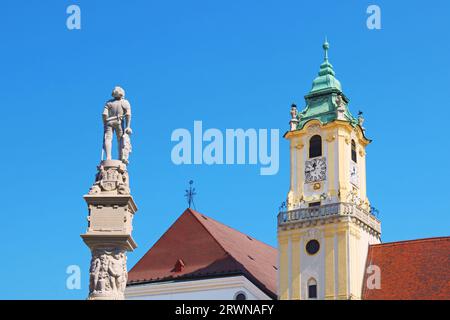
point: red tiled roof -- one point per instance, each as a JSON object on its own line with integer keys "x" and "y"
{"x": 207, "y": 248}
{"x": 411, "y": 270}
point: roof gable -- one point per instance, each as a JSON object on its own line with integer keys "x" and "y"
{"x": 197, "y": 246}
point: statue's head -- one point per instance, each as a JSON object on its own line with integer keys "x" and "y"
{"x": 118, "y": 93}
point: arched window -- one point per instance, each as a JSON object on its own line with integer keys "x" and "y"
{"x": 315, "y": 146}
{"x": 312, "y": 288}
{"x": 354, "y": 158}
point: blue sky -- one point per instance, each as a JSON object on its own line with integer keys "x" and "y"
{"x": 230, "y": 64}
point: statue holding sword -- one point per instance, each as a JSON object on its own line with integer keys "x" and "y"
{"x": 116, "y": 119}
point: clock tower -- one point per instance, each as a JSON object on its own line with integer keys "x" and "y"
{"x": 325, "y": 231}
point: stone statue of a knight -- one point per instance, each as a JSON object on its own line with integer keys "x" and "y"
{"x": 117, "y": 119}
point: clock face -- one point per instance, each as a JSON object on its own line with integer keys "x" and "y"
{"x": 315, "y": 170}
{"x": 354, "y": 177}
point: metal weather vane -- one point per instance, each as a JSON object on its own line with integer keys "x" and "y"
{"x": 190, "y": 193}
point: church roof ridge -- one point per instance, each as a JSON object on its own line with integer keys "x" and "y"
{"x": 197, "y": 214}
{"x": 410, "y": 241}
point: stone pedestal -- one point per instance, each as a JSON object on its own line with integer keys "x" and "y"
{"x": 111, "y": 211}
{"x": 293, "y": 124}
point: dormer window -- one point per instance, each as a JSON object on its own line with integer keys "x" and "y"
{"x": 315, "y": 146}
{"x": 354, "y": 157}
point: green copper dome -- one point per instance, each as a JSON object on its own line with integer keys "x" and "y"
{"x": 326, "y": 102}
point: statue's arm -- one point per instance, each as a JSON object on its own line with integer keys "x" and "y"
{"x": 128, "y": 120}
{"x": 105, "y": 113}
{"x": 128, "y": 117}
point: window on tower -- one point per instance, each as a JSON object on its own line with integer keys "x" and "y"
{"x": 354, "y": 158}
{"x": 315, "y": 146}
{"x": 312, "y": 288}
{"x": 312, "y": 247}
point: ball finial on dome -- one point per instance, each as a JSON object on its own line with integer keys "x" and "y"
{"x": 326, "y": 45}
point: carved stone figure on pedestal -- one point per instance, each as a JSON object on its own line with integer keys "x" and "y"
{"x": 340, "y": 104}
{"x": 117, "y": 119}
{"x": 294, "y": 117}
{"x": 361, "y": 120}
{"x": 108, "y": 273}
{"x": 94, "y": 272}
{"x": 102, "y": 283}
{"x": 294, "y": 111}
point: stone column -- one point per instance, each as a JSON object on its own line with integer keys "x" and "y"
{"x": 108, "y": 236}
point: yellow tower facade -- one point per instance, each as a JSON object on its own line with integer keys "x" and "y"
{"x": 325, "y": 231}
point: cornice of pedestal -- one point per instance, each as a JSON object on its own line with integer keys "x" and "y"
{"x": 103, "y": 199}
{"x": 98, "y": 240}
